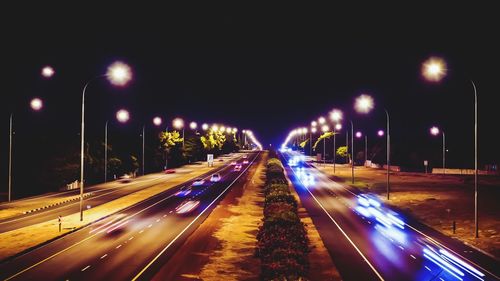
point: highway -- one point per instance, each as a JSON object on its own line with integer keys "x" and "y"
{"x": 370, "y": 241}
{"x": 101, "y": 194}
{"x": 131, "y": 244}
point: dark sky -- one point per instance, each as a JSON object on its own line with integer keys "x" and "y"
{"x": 265, "y": 68}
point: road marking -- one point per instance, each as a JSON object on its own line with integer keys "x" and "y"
{"x": 142, "y": 230}
{"x": 191, "y": 223}
{"x": 341, "y": 230}
{"x": 131, "y": 238}
{"x": 421, "y": 233}
{"x": 164, "y": 215}
{"x": 401, "y": 247}
{"x": 103, "y": 256}
{"x": 149, "y": 226}
{"x": 427, "y": 268}
{"x": 170, "y": 212}
{"x": 81, "y": 241}
{"x": 413, "y": 257}
{"x": 157, "y": 220}
{"x": 118, "y": 247}
{"x": 85, "y": 268}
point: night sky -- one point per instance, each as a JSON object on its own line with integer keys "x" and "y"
{"x": 269, "y": 69}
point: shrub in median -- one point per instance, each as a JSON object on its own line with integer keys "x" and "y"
{"x": 282, "y": 239}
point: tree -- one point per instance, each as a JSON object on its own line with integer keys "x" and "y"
{"x": 342, "y": 152}
{"x": 170, "y": 142}
{"x": 193, "y": 149}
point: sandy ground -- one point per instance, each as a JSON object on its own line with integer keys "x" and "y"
{"x": 223, "y": 246}
{"x": 19, "y": 240}
{"x": 437, "y": 200}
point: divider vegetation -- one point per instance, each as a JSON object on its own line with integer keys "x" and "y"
{"x": 282, "y": 239}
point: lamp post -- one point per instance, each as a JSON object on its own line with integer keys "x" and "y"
{"x": 434, "y": 70}
{"x": 36, "y": 104}
{"x": 335, "y": 116}
{"x": 118, "y": 74}
{"x": 359, "y": 135}
{"x": 324, "y": 129}
{"x": 122, "y": 116}
{"x": 313, "y": 125}
{"x": 364, "y": 104}
{"x": 178, "y": 124}
{"x": 106, "y": 151}
{"x": 435, "y": 131}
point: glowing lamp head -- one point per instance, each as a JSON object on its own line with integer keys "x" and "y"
{"x": 235, "y": 130}
{"x": 204, "y": 127}
{"x": 314, "y": 124}
{"x": 314, "y": 130}
{"x": 321, "y": 120}
{"x": 336, "y": 115}
{"x": 122, "y": 115}
{"x": 364, "y": 104}
{"x": 48, "y": 71}
{"x": 119, "y": 73}
{"x": 338, "y": 127}
{"x": 193, "y": 125}
{"x": 380, "y": 133}
{"x": 36, "y": 104}
{"x": 178, "y": 123}
{"x": 244, "y": 131}
{"x": 324, "y": 128}
{"x": 157, "y": 121}
{"x": 229, "y": 130}
{"x": 434, "y": 69}
{"x": 215, "y": 128}
{"x": 359, "y": 134}
{"x": 434, "y": 131}
{"x": 222, "y": 129}
{"x": 304, "y": 130}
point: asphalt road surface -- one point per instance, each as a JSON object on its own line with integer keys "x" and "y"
{"x": 131, "y": 244}
{"x": 369, "y": 241}
{"x": 103, "y": 193}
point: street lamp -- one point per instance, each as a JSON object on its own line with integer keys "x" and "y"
{"x": 335, "y": 116}
{"x": 434, "y": 70}
{"x": 122, "y": 116}
{"x": 435, "y": 131}
{"x": 365, "y": 104}
{"x": 178, "y": 123}
{"x": 118, "y": 74}
{"x": 48, "y": 71}
{"x": 204, "y": 127}
{"x": 193, "y": 125}
{"x": 359, "y": 135}
{"x": 36, "y": 104}
{"x": 324, "y": 129}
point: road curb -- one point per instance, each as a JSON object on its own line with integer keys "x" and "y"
{"x": 58, "y": 203}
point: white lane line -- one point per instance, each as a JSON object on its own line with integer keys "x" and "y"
{"x": 142, "y": 230}
{"x": 401, "y": 247}
{"x": 85, "y": 268}
{"x": 342, "y": 231}
{"x": 426, "y": 267}
{"x": 103, "y": 256}
{"x": 170, "y": 212}
{"x": 81, "y": 241}
{"x": 131, "y": 238}
{"x": 193, "y": 221}
{"x": 149, "y": 226}
{"x": 413, "y": 257}
{"x": 164, "y": 215}
{"x": 157, "y": 220}
{"x": 118, "y": 247}
{"x": 420, "y": 232}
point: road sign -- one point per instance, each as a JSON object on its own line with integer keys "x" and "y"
{"x": 210, "y": 160}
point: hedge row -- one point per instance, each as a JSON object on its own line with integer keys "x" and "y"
{"x": 282, "y": 239}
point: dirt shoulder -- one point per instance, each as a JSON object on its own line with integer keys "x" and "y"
{"x": 437, "y": 200}
{"x": 223, "y": 246}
